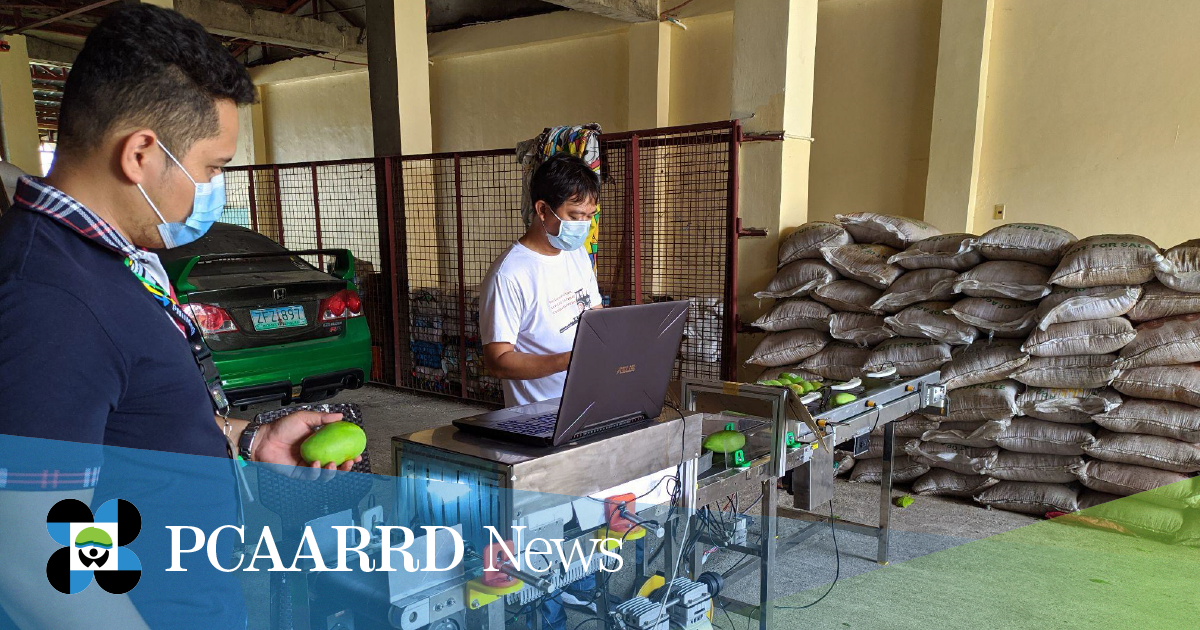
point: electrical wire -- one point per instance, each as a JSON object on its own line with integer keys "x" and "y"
{"x": 587, "y": 621}
{"x": 837, "y": 554}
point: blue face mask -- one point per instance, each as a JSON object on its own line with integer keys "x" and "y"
{"x": 571, "y": 234}
{"x": 207, "y": 206}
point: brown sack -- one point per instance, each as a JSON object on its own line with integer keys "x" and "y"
{"x": 911, "y": 426}
{"x": 793, "y": 314}
{"x": 1029, "y": 242}
{"x": 958, "y": 252}
{"x": 1182, "y": 269}
{"x": 1026, "y": 435}
{"x": 961, "y": 459}
{"x": 1176, "y": 383}
{"x": 1091, "y": 498}
{"x": 930, "y": 320}
{"x": 1170, "y": 341}
{"x": 916, "y": 286}
{"x": 1093, "y": 336}
{"x": 947, "y": 483}
{"x": 1126, "y": 479}
{"x": 975, "y": 433}
{"x": 1067, "y": 406}
{"x": 1034, "y": 467}
{"x": 1153, "y": 417}
{"x": 1004, "y": 317}
{"x": 808, "y": 239}
{"x": 983, "y": 363}
{"x": 850, "y": 296}
{"x": 1084, "y": 371}
{"x": 1030, "y": 498}
{"x": 788, "y": 348}
{"x": 859, "y": 328}
{"x": 1005, "y": 279}
{"x": 909, "y": 355}
{"x": 898, "y": 232}
{"x": 1065, "y": 304}
{"x": 904, "y": 470}
{"x": 986, "y": 401}
{"x": 798, "y": 279}
{"x": 1151, "y": 451}
{"x": 1107, "y": 259}
{"x": 838, "y": 361}
{"x": 773, "y": 373}
{"x": 1158, "y": 301}
{"x": 865, "y": 263}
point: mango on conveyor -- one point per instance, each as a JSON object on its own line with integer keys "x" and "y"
{"x": 336, "y": 442}
{"x": 724, "y": 441}
{"x": 843, "y": 398}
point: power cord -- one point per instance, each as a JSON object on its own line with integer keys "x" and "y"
{"x": 837, "y": 573}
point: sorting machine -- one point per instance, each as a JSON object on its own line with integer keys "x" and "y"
{"x": 649, "y": 482}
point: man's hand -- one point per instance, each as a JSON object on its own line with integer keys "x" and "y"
{"x": 279, "y": 441}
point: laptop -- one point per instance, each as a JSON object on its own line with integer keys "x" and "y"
{"x": 618, "y": 375}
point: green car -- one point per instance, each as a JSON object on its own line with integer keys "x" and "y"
{"x": 279, "y": 328}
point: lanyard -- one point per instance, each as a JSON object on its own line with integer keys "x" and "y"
{"x": 200, "y": 351}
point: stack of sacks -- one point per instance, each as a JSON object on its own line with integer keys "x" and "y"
{"x": 874, "y": 287}
{"x": 1080, "y": 328}
{"x": 1150, "y": 444}
{"x": 868, "y": 467}
{"x": 799, "y": 326}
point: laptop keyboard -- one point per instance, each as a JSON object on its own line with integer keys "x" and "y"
{"x": 537, "y": 425}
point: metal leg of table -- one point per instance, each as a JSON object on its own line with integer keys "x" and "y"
{"x": 769, "y": 529}
{"x": 885, "y": 490}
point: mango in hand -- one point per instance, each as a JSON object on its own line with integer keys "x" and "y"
{"x": 336, "y": 442}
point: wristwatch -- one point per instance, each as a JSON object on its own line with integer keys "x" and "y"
{"x": 246, "y": 441}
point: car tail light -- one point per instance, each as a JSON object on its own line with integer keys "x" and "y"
{"x": 211, "y": 319}
{"x": 341, "y": 305}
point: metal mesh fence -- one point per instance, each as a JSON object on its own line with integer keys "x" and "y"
{"x": 424, "y": 230}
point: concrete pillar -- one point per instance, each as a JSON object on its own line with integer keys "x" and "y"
{"x": 956, "y": 141}
{"x": 18, "y": 116}
{"x": 774, "y": 45}
{"x": 398, "y": 56}
{"x": 649, "y": 75}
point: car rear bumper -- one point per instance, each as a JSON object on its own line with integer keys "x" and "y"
{"x": 299, "y": 371}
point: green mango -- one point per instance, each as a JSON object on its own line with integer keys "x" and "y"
{"x": 725, "y": 441}
{"x": 773, "y": 383}
{"x": 790, "y": 378}
{"x": 843, "y": 398}
{"x": 337, "y": 442}
{"x": 809, "y": 387}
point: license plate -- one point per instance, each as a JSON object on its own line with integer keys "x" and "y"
{"x": 281, "y": 317}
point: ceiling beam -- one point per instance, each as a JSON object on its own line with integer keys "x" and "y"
{"x": 270, "y": 27}
{"x": 624, "y": 10}
{"x": 48, "y": 52}
{"x": 61, "y": 16}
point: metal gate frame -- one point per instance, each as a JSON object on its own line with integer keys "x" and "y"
{"x": 672, "y": 181}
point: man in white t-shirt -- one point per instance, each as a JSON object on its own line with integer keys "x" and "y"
{"x": 535, "y": 292}
{"x": 533, "y": 297}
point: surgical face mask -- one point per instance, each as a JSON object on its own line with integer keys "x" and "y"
{"x": 207, "y": 205}
{"x": 571, "y": 234}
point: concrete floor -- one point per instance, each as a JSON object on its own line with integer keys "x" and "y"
{"x": 928, "y": 526}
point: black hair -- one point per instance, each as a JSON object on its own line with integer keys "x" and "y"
{"x": 144, "y": 66}
{"x": 562, "y": 178}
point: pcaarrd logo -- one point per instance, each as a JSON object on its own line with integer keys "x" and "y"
{"x": 93, "y": 546}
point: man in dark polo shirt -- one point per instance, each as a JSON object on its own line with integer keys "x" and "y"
{"x": 93, "y": 347}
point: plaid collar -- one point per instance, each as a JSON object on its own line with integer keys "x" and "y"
{"x": 36, "y": 195}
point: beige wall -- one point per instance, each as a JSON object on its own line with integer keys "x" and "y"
{"x": 326, "y": 117}
{"x": 495, "y": 99}
{"x": 873, "y": 106}
{"x": 702, "y": 69}
{"x": 1093, "y": 117}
